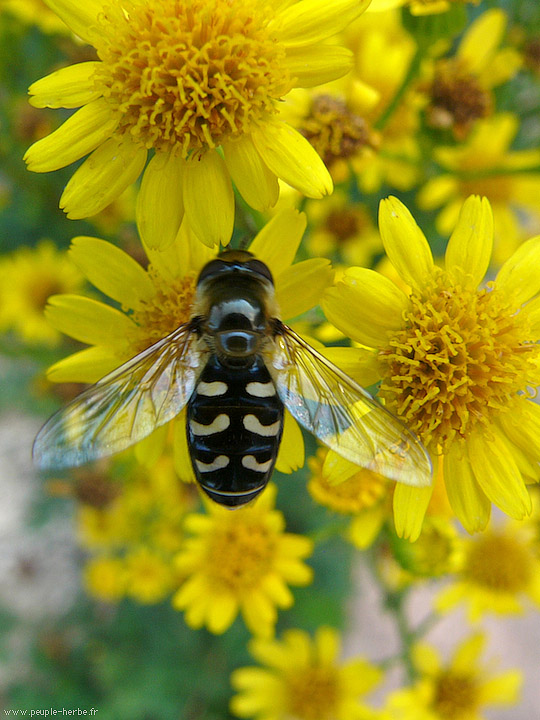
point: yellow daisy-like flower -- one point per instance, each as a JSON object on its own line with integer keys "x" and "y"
{"x": 455, "y": 361}
{"x": 360, "y": 493}
{"x": 485, "y": 165}
{"x": 460, "y": 91}
{"x": 154, "y": 302}
{"x": 29, "y": 278}
{"x": 302, "y": 678}
{"x": 150, "y": 576}
{"x": 498, "y": 573}
{"x": 419, "y": 7}
{"x": 199, "y": 82}
{"x": 240, "y": 562}
{"x": 104, "y": 577}
{"x": 458, "y": 690}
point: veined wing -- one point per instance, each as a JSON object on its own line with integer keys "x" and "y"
{"x": 342, "y": 414}
{"x": 124, "y": 406}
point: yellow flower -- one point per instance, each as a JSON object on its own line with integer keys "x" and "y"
{"x": 460, "y": 91}
{"x": 499, "y": 571}
{"x": 303, "y": 679}
{"x": 154, "y": 302}
{"x": 373, "y": 87}
{"x": 341, "y": 119}
{"x": 150, "y": 576}
{"x": 360, "y": 493}
{"x": 458, "y": 690}
{"x": 484, "y": 165}
{"x": 34, "y": 12}
{"x": 29, "y": 277}
{"x": 240, "y": 562}
{"x": 104, "y": 577}
{"x": 455, "y": 361}
{"x": 341, "y": 227}
{"x": 419, "y": 7}
{"x": 198, "y": 82}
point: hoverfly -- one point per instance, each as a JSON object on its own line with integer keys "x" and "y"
{"x": 235, "y": 366}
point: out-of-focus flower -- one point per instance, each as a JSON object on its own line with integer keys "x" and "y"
{"x": 340, "y": 118}
{"x": 35, "y": 12}
{"x": 455, "y": 361}
{"x": 302, "y": 678}
{"x": 360, "y": 493}
{"x": 132, "y": 530}
{"x": 29, "y": 278}
{"x": 240, "y": 562}
{"x": 343, "y": 229}
{"x": 459, "y": 690}
{"x": 485, "y": 165}
{"x": 156, "y": 301}
{"x": 499, "y": 571}
{"x": 421, "y": 7}
{"x": 460, "y": 91}
{"x": 199, "y": 83}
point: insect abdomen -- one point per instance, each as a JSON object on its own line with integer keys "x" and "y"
{"x": 234, "y": 428}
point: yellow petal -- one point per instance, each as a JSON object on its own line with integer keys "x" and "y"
{"x": 291, "y": 450}
{"x": 87, "y": 320}
{"x": 80, "y": 17}
{"x": 112, "y": 271}
{"x": 182, "y": 460}
{"x": 497, "y": 473}
{"x": 519, "y": 277}
{"x": 365, "y": 306}
{"x": 521, "y": 425}
{"x": 300, "y": 286}
{"x": 86, "y": 366}
{"x": 80, "y": 134}
{"x": 481, "y": 40}
{"x": 159, "y": 203}
{"x": 255, "y": 182}
{"x": 358, "y": 363}
{"x": 410, "y": 505}
{"x": 469, "y": 248}
{"x": 149, "y": 450}
{"x": 468, "y": 501}
{"x": 277, "y": 242}
{"x": 209, "y": 199}
{"x": 292, "y": 158}
{"x": 466, "y": 657}
{"x": 404, "y": 242}
{"x": 222, "y": 614}
{"x": 69, "y": 87}
{"x": 311, "y": 21}
{"x": 503, "y": 689}
{"x": 437, "y": 192}
{"x": 102, "y": 178}
{"x": 317, "y": 64}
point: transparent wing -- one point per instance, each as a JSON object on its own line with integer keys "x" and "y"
{"x": 338, "y": 411}
{"x": 124, "y": 406}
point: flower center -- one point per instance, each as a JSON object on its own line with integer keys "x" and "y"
{"x": 460, "y": 358}
{"x": 334, "y": 131}
{"x": 240, "y": 554}
{"x": 499, "y": 563}
{"x": 456, "y": 696}
{"x": 40, "y": 288}
{"x": 433, "y": 554}
{"x": 168, "y": 309}
{"x": 184, "y": 75}
{"x": 363, "y": 490}
{"x": 457, "y": 99}
{"x": 313, "y": 693}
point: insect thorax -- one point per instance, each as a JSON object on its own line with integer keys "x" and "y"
{"x": 234, "y": 428}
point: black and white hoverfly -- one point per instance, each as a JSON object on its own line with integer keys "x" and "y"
{"x": 235, "y": 366}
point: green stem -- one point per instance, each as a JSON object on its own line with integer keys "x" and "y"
{"x": 412, "y": 71}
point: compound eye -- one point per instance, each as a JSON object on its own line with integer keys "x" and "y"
{"x": 260, "y": 268}
{"x": 214, "y": 267}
